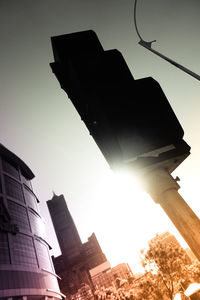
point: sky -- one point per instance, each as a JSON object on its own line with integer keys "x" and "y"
{"x": 39, "y": 123}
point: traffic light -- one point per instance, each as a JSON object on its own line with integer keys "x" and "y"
{"x": 131, "y": 120}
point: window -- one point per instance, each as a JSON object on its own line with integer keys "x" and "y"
{"x": 43, "y": 255}
{"x": 30, "y": 199}
{"x": 13, "y": 188}
{"x": 4, "y": 248}
{"x": 37, "y": 225}
{"x": 19, "y": 215}
{"x": 23, "y": 250}
{"x": 26, "y": 181}
{"x": 10, "y": 168}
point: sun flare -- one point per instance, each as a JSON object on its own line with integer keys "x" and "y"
{"x": 126, "y": 217}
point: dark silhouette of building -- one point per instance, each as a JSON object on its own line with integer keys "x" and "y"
{"x": 26, "y": 268}
{"x": 92, "y": 253}
{"x": 66, "y": 232}
{"x": 77, "y": 258}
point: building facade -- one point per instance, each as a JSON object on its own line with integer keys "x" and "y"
{"x": 26, "y": 268}
{"x": 166, "y": 238}
{"x": 77, "y": 258}
{"x": 92, "y": 253}
{"x": 191, "y": 255}
{"x": 118, "y": 276}
{"x": 65, "y": 229}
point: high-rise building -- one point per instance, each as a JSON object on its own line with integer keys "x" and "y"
{"x": 66, "y": 232}
{"x": 26, "y": 268}
{"x": 77, "y": 258}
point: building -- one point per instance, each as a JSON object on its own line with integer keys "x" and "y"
{"x": 66, "y": 232}
{"x": 26, "y": 268}
{"x": 92, "y": 253}
{"x": 102, "y": 268}
{"x": 77, "y": 258}
{"x": 191, "y": 255}
{"x": 118, "y": 276}
{"x": 166, "y": 238}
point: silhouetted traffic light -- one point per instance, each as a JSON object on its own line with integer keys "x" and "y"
{"x": 130, "y": 120}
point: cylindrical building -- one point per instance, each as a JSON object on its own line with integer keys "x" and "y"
{"x": 26, "y": 268}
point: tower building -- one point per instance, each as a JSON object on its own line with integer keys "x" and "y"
{"x": 26, "y": 268}
{"x": 77, "y": 258}
{"x": 66, "y": 232}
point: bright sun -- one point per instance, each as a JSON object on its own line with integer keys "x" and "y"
{"x": 126, "y": 217}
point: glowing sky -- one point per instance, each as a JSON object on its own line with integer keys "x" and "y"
{"x": 39, "y": 123}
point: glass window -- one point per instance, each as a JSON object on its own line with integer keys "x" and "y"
{"x": 43, "y": 256}
{"x": 10, "y": 168}
{"x": 27, "y": 181}
{"x": 30, "y": 199}
{"x": 4, "y": 249}
{"x": 37, "y": 224}
{"x": 13, "y": 188}
{"x": 19, "y": 215}
{"x": 23, "y": 250}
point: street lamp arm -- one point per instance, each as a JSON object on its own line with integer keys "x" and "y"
{"x": 136, "y": 28}
{"x": 184, "y": 69}
{"x": 147, "y": 45}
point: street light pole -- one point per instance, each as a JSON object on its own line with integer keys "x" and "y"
{"x": 163, "y": 189}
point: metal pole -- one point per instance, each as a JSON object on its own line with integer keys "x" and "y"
{"x": 163, "y": 189}
{"x": 147, "y": 46}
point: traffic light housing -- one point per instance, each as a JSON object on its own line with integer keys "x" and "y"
{"x": 131, "y": 120}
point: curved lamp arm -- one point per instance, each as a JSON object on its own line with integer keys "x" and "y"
{"x": 147, "y": 45}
